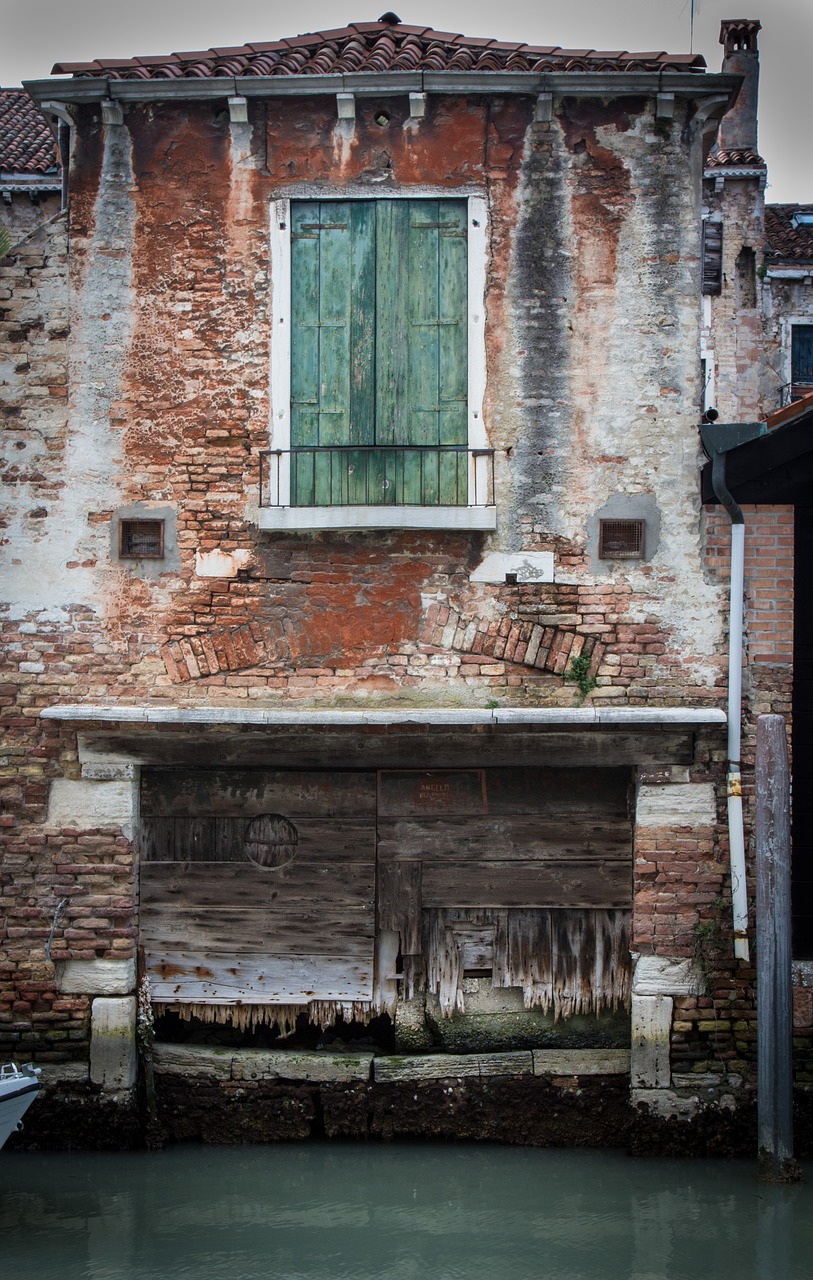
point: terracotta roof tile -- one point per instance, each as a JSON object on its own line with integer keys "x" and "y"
{"x": 200, "y": 55}
{"x": 26, "y": 142}
{"x": 445, "y": 37}
{"x": 72, "y": 68}
{"x": 786, "y": 242}
{"x": 737, "y": 158}
{"x": 376, "y": 46}
{"x": 339, "y": 32}
{"x": 294, "y": 42}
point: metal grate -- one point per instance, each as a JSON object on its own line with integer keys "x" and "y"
{"x": 377, "y": 475}
{"x": 621, "y": 539}
{"x": 141, "y": 539}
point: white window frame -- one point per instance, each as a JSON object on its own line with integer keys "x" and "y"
{"x": 281, "y": 515}
{"x": 789, "y": 323}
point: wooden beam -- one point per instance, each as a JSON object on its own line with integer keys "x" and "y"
{"x": 774, "y": 995}
{"x": 516, "y": 838}
{"x": 574, "y": 884}
{"x": 199, "y": 978}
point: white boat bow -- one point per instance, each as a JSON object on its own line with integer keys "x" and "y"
{"x": 19, "y": 1087}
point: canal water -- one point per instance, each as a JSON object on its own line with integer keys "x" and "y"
{"x": 309, "y": 1212}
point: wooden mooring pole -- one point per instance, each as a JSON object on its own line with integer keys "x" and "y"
{"x": 774, "y": 995}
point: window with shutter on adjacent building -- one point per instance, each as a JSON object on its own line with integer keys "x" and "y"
{"x": 801, "y": 358}
{"x": 712, "y": 257}
{"x": 378, "y": 358}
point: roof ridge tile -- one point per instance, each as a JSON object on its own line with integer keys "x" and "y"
{"x": 380, "y": 47}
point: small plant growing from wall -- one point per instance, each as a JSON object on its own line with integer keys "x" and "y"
{"x": 578, "y": 673}
{"x": 5, "y": 241}
{"x": 707, "y": 945}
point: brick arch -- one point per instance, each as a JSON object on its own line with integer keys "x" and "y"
{"x": 509, "y": 639}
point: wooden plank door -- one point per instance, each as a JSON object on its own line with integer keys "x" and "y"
{"x": 237, "y": 908}
{"x": 525, "y": 873}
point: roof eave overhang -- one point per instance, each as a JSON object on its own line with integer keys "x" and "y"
{"x": 585, "y": 84}
{"x": 773, "y": 469}
{"x": 798, "y": 271}
{"x": 30, "y": 182}
{"x": 735, "y": 171}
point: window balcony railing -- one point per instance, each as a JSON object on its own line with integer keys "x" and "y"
{"x": 791, "y": 391}
{"x": 377, "y": 476}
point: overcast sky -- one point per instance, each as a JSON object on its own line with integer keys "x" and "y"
{"x": 36, "y": 33}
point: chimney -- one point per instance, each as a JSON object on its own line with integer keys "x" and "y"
{"x": 738, "y": 128}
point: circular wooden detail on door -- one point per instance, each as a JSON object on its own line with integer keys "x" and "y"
{"x": 271, "y": 841}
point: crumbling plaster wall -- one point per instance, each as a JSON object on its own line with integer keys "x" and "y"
{"x": 592, "y": 388}
{"x": 34, "y": 326}
{"x": 607, "y": 266}
{"x": 66, "y": 563}
{"x": 23, "y": 213}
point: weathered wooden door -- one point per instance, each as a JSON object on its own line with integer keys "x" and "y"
{"x": 524, "y": 874}
{"x": 262, "y": 887}
{"x": 257, "y": 887}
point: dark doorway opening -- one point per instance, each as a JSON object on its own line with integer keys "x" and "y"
{"x": 802, "y": 872}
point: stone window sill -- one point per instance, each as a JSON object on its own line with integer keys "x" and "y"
{"x": 376, "y": 517}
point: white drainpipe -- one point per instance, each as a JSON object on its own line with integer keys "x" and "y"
{"x": 718, "y": 439}
{"x": 736, "y": 839}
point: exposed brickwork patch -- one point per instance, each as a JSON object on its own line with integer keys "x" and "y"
{"x": 508, "y": 639}
{"x": 225, "y": 649}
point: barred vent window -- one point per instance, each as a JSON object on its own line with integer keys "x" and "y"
{"x": 141, "y": 539}
{"x": 712, "y": 257}
{"x": 621, "y": 539}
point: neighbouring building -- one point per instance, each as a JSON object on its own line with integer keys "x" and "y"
{"x": 30, "y": 177}
{"x": 365, "y": 633}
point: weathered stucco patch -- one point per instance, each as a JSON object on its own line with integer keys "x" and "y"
{"x": 90, "y": 805}
{"x": 71, "y": 551}
{"x": 689, "y": 804}
{"x": 96, "y": 977}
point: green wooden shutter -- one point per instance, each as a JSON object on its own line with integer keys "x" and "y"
{"x": 332, "y": 345}
{"x": 379, "y": 351}
{"x": 453, "y": 374}
{"x": 421, "y": 347}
